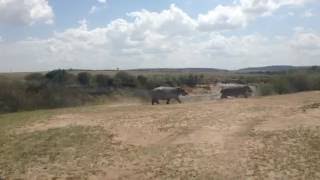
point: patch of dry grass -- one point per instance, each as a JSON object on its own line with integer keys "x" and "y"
{"x": 66, "y": 151}
{"x": 290, "y": 154}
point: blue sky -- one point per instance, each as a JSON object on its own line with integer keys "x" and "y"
{"x": 97, "y": 34}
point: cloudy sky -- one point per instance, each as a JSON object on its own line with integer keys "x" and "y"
{"x": 108, "y": 34}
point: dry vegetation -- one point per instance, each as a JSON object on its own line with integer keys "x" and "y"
{"x": 274, "y": 137}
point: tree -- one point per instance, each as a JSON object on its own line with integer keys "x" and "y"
{"x": 315, "y": 68}
{"x": 59, "y": 76}
{"x": 84, "y": 78}
{"x": 35, "y": 82}
{"x": 300, "y": 82}
{"x": 103, "y": 80}
{"x": 124, "y": 79}
{"x": 143, "y": 81}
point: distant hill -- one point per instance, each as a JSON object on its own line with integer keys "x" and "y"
{"x": 271, "y": 69}
{"x": 184, "y": 70}
{"x": 150, "y": 71}
{"x": 264, "y": 69}
{"x": 155, "y": 71}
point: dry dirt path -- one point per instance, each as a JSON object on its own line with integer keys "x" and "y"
{"x": 219, "y": 139}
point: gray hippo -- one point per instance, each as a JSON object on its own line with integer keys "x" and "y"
{"x": 244, "y": 91}
{"x": 167, "y": 93}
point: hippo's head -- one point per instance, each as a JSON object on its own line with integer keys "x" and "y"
{"x": 249, "y": 90}
{"x": 182, "y": 91}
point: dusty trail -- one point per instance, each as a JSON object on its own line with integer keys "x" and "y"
{"x": 198, "y": 140}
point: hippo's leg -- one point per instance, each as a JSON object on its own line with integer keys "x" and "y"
{"x": 168, "y": 101}
{"x": 155, "y": 101}
{"x": 223, "y": 96}
{"x": 178, "y": 100}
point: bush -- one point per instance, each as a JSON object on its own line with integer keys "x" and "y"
{"x": 58, "y": 96}
{"x": 315, "y": 83}
{"x": 35, "y": 82}
{"x": 266, "y": 89}
{"x": 84, "y": 78}
{"x": 103, "y": 81}
{"x": 124, "y": 79}
{"x": 281, "y": 85}
{"x": 143, "y": 81}
{"x": 300, "y": 82}
{"x": 295, "y": 82}
{"x": 61, "y": 77}
{"x": 34, "y": 77}
{"x": 11, "y": 96}
{"x": 190, "y": 80}
{"x": 41, "y": 91}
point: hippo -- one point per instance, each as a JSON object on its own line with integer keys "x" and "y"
{"x": 167, "y": 93}
{"x": 244, "y": 91}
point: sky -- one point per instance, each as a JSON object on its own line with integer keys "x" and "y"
{"x": 40, "y": 35}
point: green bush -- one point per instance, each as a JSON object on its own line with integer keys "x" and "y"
{"x": 143, "y": 81}
{"x": 38, "y": 91}
{"x": 59, "y": 76}
{"x": 124, "y": 79}
{"x": 281, "y": 85}
{"x": 315, "y": 82}
{"x": 290, "y": 83}
{"x": 300, "y": 82}
{"x": 265, "y": 89}
{"x": 35, "y": 82}
{"x": 103, "y": 81}
{"x": 84, "y": 78}
{"x": 12, "y": 96}
{"x": 35, "y": 77}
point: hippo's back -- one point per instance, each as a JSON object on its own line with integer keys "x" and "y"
{"x": 164, "y": 92}
{"x": 236, "y": 91}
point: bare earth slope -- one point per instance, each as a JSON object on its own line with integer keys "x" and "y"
{"x": 274, "y": 137}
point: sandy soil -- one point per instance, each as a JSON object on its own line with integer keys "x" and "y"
{"x": 194, "y": 140}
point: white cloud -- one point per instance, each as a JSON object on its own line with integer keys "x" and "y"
{"x": 17, "y": 12}
{"x": 169, "y": 38}
{"x": 93, "y": 9}
{"x": 171, "y": 21}
{"x": 222, "y": 18}
{"x": 241, "y": 13}
{"x": 298, "y": 29}
{"x": 305, "y": 44}
{"x": 308, "y": 14}
{"x": 291, "y": 13}
{"x": 306, "y": 41}
{"x": 102, "y": 1}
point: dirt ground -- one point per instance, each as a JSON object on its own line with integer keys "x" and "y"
{"x": 274, "y": 137}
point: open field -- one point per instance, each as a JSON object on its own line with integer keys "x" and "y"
{"x": 276, "y": 137}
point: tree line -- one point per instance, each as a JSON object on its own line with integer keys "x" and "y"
{"x": 60, "y": 88}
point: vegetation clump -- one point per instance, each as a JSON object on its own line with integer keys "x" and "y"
{"x": 60, "y": 88}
